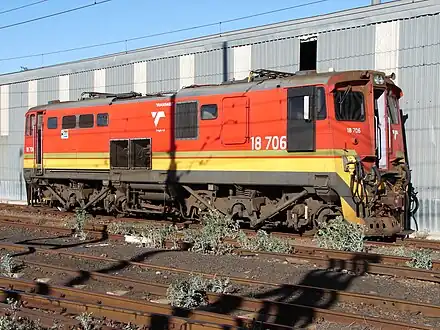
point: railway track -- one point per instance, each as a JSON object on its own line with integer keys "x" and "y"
{"x": 244, "y": 304}
{"x": 353, "y": 261}
{"x": 29, "y": 218}
{"x": 118, "y": 309}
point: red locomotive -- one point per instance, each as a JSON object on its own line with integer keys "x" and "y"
{"x": 278, "y": 148}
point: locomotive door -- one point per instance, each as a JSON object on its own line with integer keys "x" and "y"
{"x": 235, "y": 114}
{"x": 301, "y": 129}
{"x": 381, "y": 129}
{"x": 38, "y": 144}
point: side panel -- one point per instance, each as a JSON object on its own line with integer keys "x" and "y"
{"x": 235, "y": 114}
{"x": 301, "y": 126}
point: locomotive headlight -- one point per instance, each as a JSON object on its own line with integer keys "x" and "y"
{"x": 379, "y": 79}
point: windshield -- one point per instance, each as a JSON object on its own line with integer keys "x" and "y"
{"x": 349, "y": 105}
{"x": 393, "y": 108}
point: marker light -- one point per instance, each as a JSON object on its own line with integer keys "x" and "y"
{"x": 379, "y": 79}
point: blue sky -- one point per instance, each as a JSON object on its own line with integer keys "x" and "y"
{"x": 125, "y": 19}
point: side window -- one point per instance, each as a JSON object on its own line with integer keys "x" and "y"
{"x": 52, "y": 122}
{"x": 31, "y": 126}
{"x": 69, "y": 122}
{"x": 102, "y": 119}
{"x": 186, "y": 120}
{"x": 85, "y": 121}
{"x": 208, "y": 111}
{"x": 393, "y": 108}
{"x": 27, "y": 125}
{"x": 349, "y": 106}
{"x": 320, "y": 107}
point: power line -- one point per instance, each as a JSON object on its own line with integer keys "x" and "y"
{"x": 161, "y": 33}
{"x": 54, "y": 14}
{"x": 23, "y": 6}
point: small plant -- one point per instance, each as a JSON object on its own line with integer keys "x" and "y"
{"x": 155, "y": 237}
{"x": 7, "y": 265}
{"x": 117, "y": 227}
{"x": 192, "y": 292}
{"x": 11, "y": 321}
{"x": 86, "y": 320}
{"x": 127, "y": 228}
{"x": 262, "y": 241}
{"x": 421, "y": 259}
{"x": 80, "y": 222}
{"x": 211, "y": 237}
{"x": 218, "y": 285}
{"x": 340, "y": 234}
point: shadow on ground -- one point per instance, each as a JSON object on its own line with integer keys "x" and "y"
{"x": 298, "y": 309}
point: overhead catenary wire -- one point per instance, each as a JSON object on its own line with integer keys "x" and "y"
{"x": 22, "y": 7}
{"x": 95, "y": 3}
{"x": 196, "y": 27}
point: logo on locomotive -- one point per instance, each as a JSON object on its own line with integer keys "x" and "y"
{"x": 157, "y": 115}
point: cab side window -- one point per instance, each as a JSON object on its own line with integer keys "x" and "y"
{"x": 208, "y": 112}
{"x": 30, "y": 123}
{"x": 102, "y": 119}
{"x": 69, "y": 122}
{"x": 52, "y": 122}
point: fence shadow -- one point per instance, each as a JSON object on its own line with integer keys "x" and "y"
{"x": 298, "y": 310}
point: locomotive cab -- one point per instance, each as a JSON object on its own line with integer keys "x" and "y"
{"x": 367, "y": 110}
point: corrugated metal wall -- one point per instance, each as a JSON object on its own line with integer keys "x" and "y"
{"x": 80, "y": 82}
{"x": 279, "y": 55}
{"x": 366, "y": 46}
{"x": 47, "y": 90}
{"x": 346, "y": 49}
{"x": 119, "y": 79}
{"x": 11, "y": 146}
{"x": 209, "y": 66}
{"x": 163, "y": 75}
{"x": 419, "y": 69}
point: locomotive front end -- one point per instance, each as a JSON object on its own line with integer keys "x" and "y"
{"x": 379, "y": 173}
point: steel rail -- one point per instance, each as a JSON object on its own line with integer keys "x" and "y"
{"x": 133, "y": 308}
{"x": 253, "y": 304}
{"x": 113, "y": 307}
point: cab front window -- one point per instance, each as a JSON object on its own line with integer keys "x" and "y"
{"x": 349, "y": 105}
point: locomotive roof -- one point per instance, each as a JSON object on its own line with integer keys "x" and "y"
{"x": 241, "y": 86}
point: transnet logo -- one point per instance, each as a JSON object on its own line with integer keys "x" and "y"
{"x": 157, "y": 115}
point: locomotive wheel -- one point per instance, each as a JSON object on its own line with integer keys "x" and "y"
{"x": 323, "y": 215}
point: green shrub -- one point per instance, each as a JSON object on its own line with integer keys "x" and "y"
{"x": 211, "y": 237}
{"x": 7, "y": 265}
{"x": 192, "y": 292}
{"x": 340, "y": 234}
{"x": 263, "y": 241}
{"x": 421, "y": 259}
{"x": 156, "y": 237}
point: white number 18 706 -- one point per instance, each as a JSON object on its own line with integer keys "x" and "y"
{"x": 269, "y": 142}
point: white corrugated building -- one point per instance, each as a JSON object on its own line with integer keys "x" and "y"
{"x": 400, "y": 36}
